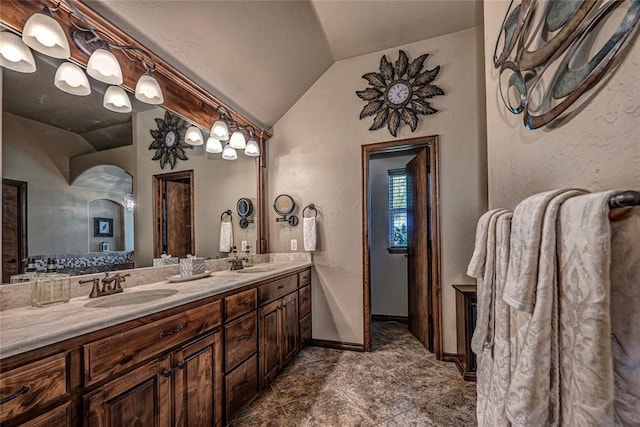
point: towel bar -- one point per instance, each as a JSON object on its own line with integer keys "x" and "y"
{"x": 227, "y": 212}
{"x": 624, "y": 199}
{"x": 311, "y": 207}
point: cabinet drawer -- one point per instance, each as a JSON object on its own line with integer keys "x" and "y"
{"x": 305, "y": 330}
{"x": 304, "y": 278}
{"x": 108, "y": 356}
{"x": 240, "y": 340}
{"x": 276, "y": 289}
{"x": 57, "y": 417}
{"x": 239, "y": 304}
{"x": 241, "y": 386}
{"x": 305, "y": 301}
{"x": 32, "y": 386}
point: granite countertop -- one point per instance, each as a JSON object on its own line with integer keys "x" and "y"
{"x": 28, "y": 328}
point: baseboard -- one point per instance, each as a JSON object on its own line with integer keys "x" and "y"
{"x": 387, "y": 318}
{"x": 338, "y": 345}
{"x": 451, "y": 357}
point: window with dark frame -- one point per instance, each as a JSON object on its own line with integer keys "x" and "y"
{"x": 397, "y": 179}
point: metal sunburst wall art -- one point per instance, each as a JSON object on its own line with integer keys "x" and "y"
{"x": 398, "y": 94}
{"x": 168, "y": 140}
{"x": 550, "y": 53}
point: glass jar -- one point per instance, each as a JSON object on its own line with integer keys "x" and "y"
{"x": 50, "y": 289}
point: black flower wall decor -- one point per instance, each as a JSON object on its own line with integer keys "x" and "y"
{"x": 399, "y": 93}
{"x": 168, "y": 140}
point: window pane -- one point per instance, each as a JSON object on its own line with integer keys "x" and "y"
{"x": 397, "y": 208}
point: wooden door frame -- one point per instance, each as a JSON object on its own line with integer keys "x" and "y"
{"x": 430, "y": 143}
{"x": 157, "y": 206}
{"x": 22, "y": 226}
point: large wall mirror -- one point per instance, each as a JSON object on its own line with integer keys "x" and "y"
{"x": 80, "y": 181}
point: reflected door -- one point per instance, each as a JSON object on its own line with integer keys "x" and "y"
{"x": 418, "y": 250}
{"x": 14, "y": 230}
{"x": 174, "y": 214}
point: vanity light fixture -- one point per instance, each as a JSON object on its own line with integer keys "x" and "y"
{"x": 213, "y": 145}
{"x": 252, "y": 149}
{"x": 220, "y": 130}
{"x": 116, "y": 99}
{"x": 103, "y": 66}
{"x": 193, "y": 136}
{"x": 43, "y": 34}
{"x": 71, "y": 79}
{"x": 148, "y": 90}
{"x": 237, "y": 140}
{"x": 128, "y": 202}
{"x": 14, "y": 54}
{"x": 229, "y": 153}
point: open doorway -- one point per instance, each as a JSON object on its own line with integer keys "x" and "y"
{"x": 14, "y": 228}
{"x": 174, "y": 214}
{"x": 401, "y": 238}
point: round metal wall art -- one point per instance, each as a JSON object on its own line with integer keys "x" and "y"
{"x": 399, "y": 93}
{"x": 168, "y": 140}
{"x": 550, "y": 53}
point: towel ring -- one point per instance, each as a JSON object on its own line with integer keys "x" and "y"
{"x": 227, "y": 212}
{"x": 311, "y": 207}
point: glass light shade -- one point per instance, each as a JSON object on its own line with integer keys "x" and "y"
{"x": 213, "y": 145}
{"x": 148, "y": 90}
{"x": 71, "y": 79}
{"x": 116, "y": 99}
{"x": 14, "y": 54}
{"x": 104, "y": 66}
{"x": 220, "y": 131}
{"x": 237, "y": 141}
{"x": 252, "y": 149}
{"x": 229, "y": 153}
{"x": 42, "y": 33}
{"x": 193, "y": 136}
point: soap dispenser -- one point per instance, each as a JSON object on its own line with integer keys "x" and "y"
{"x": 247, "y": 261}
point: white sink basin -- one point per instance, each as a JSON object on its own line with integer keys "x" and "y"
{"x": 255, "y": 270}
{"x": 130, "y": 298}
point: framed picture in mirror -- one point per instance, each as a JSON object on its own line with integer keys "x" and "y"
{"x": 102, "y": 227}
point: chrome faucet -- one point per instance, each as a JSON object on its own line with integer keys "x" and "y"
{"x": 110, "y": 284}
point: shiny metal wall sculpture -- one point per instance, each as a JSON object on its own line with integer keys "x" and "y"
{"x": 399, "y": 93}
{"x": 548, "y": 54}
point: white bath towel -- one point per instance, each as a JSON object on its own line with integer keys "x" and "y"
{"x": 310, "y": 234}
{"x": 625, "y": 317}
{"x": 531, "y": 288}
{"x": 226, "y": 236}
{"x": 491, "y": 337}
{"x": 584, "y": 263}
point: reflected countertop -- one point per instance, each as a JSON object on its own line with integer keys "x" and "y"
{"x": 28, "y": 328}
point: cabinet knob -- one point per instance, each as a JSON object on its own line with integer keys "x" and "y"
{"x": 182, "y": 364}
{"x": 166, "y": 372}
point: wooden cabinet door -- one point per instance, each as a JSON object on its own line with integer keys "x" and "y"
{"x": 290, "y": 327}
{"x": 139, "y": 398}
{"x": 198, "y": 382}
{"x": 269, "y": 319}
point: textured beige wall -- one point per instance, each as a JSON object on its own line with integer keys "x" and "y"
{"x": 218, "y": 186}
{"x": 598, "y": 148}
{"x": 389, "y": 290}
{"x": 315, "y": 156}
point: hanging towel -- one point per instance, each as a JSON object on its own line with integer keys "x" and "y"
{"x": 531, "y": 289}
{"x": 584, "y": 260}
{"x": 625, "y": 317}
{"x": 310, "y": 237}
{"x": 226, "y": 236}
{"x": 491, "y": 337}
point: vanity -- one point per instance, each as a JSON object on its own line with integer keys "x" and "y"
{"x": 193, "y": 357}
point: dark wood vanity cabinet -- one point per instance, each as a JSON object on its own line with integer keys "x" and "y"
{"x": 198, "y": 364}
{"x": 466, "y": 310}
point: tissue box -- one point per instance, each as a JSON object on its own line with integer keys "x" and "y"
{"x": 191, "y": 266}
{"x": 158, "y": 262}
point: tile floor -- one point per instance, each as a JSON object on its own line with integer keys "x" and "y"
{"x": 398, "y": 384}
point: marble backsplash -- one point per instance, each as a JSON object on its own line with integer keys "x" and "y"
{"x": 14, "y": 295}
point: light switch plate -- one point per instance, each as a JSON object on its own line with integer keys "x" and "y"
{"x": 294, "y": 244}
{"x": 244, "y": 245}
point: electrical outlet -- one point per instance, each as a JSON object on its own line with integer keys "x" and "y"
{"x": 244, "y": 245}
{"x": 294, "y": 244}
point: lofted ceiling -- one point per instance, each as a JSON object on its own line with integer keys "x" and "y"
{"x": 262, "y": 56}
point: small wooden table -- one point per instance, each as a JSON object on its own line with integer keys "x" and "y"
{"x": 466, "y": 311}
